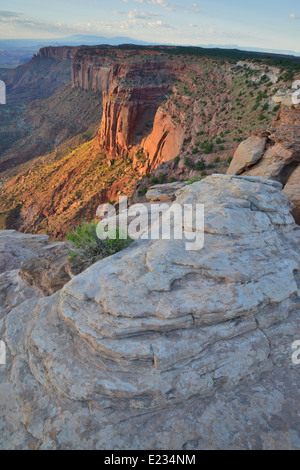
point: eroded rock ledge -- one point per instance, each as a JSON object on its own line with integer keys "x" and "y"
{"x": 159, "y": 347}
{"x": 274, "y": 152}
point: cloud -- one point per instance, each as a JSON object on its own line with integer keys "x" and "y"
{"x": 292, "y": 15}
{"x": 142, "y": 15}
{"x": 162, "y": 3}
{"x": 9, "y": 14}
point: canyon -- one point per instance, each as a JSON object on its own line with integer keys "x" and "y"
{"x": 154, "y": 347}
{"x": 97, "y": 122}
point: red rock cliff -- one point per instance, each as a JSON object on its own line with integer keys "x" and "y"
{"x": 134, "y": 89}
{"x": 58, "y": 53}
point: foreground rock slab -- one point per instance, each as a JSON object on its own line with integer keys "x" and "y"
{"x": 157, "y": 347}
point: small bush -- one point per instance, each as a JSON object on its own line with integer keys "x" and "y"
{"x": 200, "y": 165}
{"x": 194, "y": 180}
{"x": 187, "y": 161}
{"x": 143, "y": 191}
{"x": 86, "y": 245}
{"x": 162, "y": 178}
{"x": 154, "y": 180}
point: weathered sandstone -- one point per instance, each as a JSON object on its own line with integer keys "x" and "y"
{"x": 274, "y": 153}
{"x": 164, "y": 192}
{"x": 159, "y": 347}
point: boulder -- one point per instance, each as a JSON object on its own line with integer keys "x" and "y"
{"x": 164, "y": 192}
{"x": 292, "y": 191}
{"x": 274, "y": 153}
{"x": 16, "y": 248}
{"x": 247, "y": 153}
{"x": 159, "y": 347}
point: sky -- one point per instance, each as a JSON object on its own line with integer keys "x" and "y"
{"x": 268, "y": 24}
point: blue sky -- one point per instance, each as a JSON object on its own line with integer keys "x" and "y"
{"x": 271, "y": 24}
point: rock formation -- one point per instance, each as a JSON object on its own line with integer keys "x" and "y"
{"x": 159, "y": 347}
{"x": 274, "y": 152}
{"x": 156, "y": 107}
{"x": 164, "y": 192}
{"x": 43, "y": 110}
{"x": 134, "y": 87}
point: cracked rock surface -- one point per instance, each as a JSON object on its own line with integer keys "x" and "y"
{"x": 158, "y": 347}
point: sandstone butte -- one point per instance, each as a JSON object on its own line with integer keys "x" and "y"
{"x": 157, "y": 347}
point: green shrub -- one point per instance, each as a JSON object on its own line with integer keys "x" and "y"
{"x": 143, "y": 191}
{"x": 207, "y": 147}
{"x": 154, "y": 180}
{"x": 162, "y": 178}
{"x": 89, "y": 248}
{"x": 200, "y": 165}
{"x": 194, "y": 180}
{"x": 187, "y": 161}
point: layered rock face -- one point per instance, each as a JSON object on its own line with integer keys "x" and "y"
{"x": 132, "y": 114}
{"x": 58, "y": 53}
{"x": 31, "y": 266}
{"x": 274, "y": 153}
{"x": 159, "y": 347}
{"x": 140, "y": 120}
{"x": 43, "y": 111}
